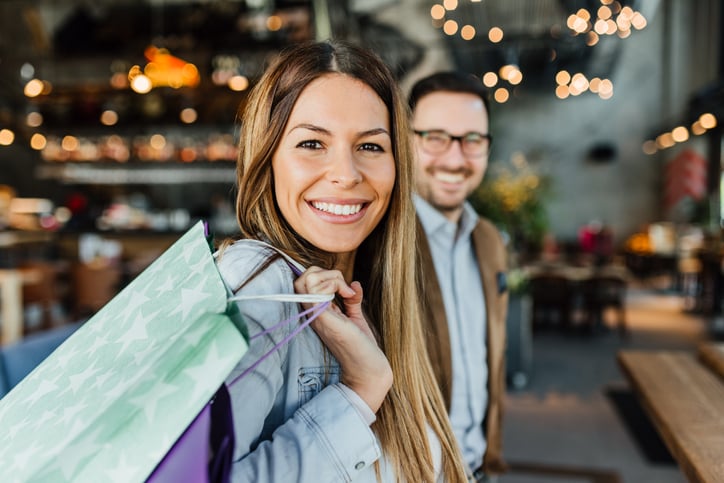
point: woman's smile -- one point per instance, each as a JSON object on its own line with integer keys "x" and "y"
{"x": 339, "y": 212}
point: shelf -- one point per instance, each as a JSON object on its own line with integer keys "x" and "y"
{"x": 161, "y": 174}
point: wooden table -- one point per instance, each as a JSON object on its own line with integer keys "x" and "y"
{"x": 11, "y": 302}
{"x": 11, "y": 306}
{"x": 576, "y": 273}
{"x": 685, "y": 400}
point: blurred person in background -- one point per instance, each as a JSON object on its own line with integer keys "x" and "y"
{"x": 463, "y": 264}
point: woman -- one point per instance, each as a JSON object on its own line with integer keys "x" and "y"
{"x": 324, "y": 175}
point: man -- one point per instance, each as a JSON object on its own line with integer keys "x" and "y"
{"x": 463, "y": 263}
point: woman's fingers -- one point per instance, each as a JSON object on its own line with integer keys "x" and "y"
{"x": 316, "y": 280}
{"x": 353, "y": 309}
{"x": 365, "y": 369}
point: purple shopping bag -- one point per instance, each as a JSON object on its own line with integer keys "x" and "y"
{"x": 204, "y": 451}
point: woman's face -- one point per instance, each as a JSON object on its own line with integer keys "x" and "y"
{"x": 334, "y": 168}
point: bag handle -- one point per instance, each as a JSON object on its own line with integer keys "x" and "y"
{"x": 313, "y": 313}
{"x": 322, "y": 301}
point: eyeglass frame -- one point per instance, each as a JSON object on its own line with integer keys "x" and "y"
{"x": 459, "y": 139}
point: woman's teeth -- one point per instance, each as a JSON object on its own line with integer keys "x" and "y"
{"x": 337, "y": 209}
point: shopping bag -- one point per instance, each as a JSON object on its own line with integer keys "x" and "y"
{"x": 204, "y": 452}
{"x": 112, "y": 401}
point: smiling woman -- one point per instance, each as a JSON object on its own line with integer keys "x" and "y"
{"x": 325, "y": 176}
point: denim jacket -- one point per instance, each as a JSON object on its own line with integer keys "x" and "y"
{"x": 293, "y": 419}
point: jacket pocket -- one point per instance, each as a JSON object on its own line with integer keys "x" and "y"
{"x": 311, "y": 380}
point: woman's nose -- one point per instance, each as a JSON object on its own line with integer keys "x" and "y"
{"x": 343, "y": 171}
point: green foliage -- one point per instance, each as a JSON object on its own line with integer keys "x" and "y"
{"x": 513, "y": 197}
{"x": 518, "y": 281}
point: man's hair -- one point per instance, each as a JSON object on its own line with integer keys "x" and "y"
{"x": 449, "y": 81}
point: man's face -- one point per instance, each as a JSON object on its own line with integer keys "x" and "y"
{"x": 447, "y": 178}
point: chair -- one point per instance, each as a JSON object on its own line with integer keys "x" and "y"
{"x": 602, "y": 292}
{"x": 18, "y": 359}
{"x": 94, "y": 285}
{"x": 41, "y": 288}
{"x": 552, "y": 296}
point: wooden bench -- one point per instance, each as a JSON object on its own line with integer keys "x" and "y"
{"x": 685, "y": 400}
{"x": 713, "y": 356}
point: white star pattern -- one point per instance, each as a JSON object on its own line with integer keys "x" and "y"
{"x": 74, "y": 450}
{"x": 98, "y": 323}
{"x": 45, "y": 387}
{"x": 189, "y": 301}
{"x": 158, "y": 266}
{"x": 123, "y": 472}
{"x": 21, "y": 458}
{"x": 167, "y": 285}
{"x": 141, "y": 356}
{"x": 137, "y": 331}
{"x": 64, "y": 356}
{"x": 149, "y": 401}
{"x": 15, "y": 429}
{"x": 189, "y": 249}
{"x": 136, "y": 298}
{"x": 159, "y": 452}
{"x": 46, "y": 417}
{"x": 193, "y": 336}
{"x": 71, "y": 411}
{"x": 121, "y": 387}
{"x": 77, "y": 380}
{"x": 197, "y": 268}
{"x": 100, "y": 380}
{"x": 200, "y": 373}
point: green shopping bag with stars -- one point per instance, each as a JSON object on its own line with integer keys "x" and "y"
{"x": 110, "y": 403}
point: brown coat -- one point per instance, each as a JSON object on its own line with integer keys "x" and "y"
{"x": 492, "y": 260}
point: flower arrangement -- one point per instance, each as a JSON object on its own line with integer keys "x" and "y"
{"x": 512, "y": 196}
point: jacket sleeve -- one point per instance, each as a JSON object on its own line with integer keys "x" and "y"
{"x": 327, "y": 438}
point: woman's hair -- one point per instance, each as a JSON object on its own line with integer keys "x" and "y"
{"x": 384, "y": 263}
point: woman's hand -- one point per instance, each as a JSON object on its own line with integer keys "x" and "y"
{"x": 348, "y": 336}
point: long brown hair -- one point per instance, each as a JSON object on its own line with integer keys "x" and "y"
{"x": 385, "y": 262}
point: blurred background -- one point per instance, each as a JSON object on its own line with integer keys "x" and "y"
{"x": 118, "y": 130}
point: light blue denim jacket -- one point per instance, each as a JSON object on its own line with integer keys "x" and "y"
{"x": 293, "y": 419}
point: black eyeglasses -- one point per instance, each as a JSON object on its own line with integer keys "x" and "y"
{"x": 472, "y": 144}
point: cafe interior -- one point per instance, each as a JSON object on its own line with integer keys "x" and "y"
{"x": 118, "y": 132}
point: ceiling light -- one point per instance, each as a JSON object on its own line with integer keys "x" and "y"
{"x": 6, "y": 137}
{"x": 467, "y": 32}
{"x": 163, "y": 70}
{"x": 708, "y": 121}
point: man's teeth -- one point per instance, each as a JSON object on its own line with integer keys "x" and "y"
{"x": 337, "y": 209}
{"x": 449, "y": 177}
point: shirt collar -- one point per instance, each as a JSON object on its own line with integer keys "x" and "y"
{"x": 434, "y": 221}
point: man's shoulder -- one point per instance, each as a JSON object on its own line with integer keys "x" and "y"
{"x": 488, "y": 228}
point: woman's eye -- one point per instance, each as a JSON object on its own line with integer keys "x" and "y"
{"x": 371, "y": 147}
{"x": 310, "y": 144}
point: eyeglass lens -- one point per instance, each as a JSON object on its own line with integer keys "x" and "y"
{"x": 472, "y": 143}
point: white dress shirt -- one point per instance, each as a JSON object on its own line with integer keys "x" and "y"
{"x": 462, "y": 291}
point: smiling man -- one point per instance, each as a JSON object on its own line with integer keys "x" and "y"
{"x": 463, "y": 262}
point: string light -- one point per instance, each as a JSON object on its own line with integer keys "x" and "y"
{"x": 611, "y": 19}
{"x": 680, "y": 134}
